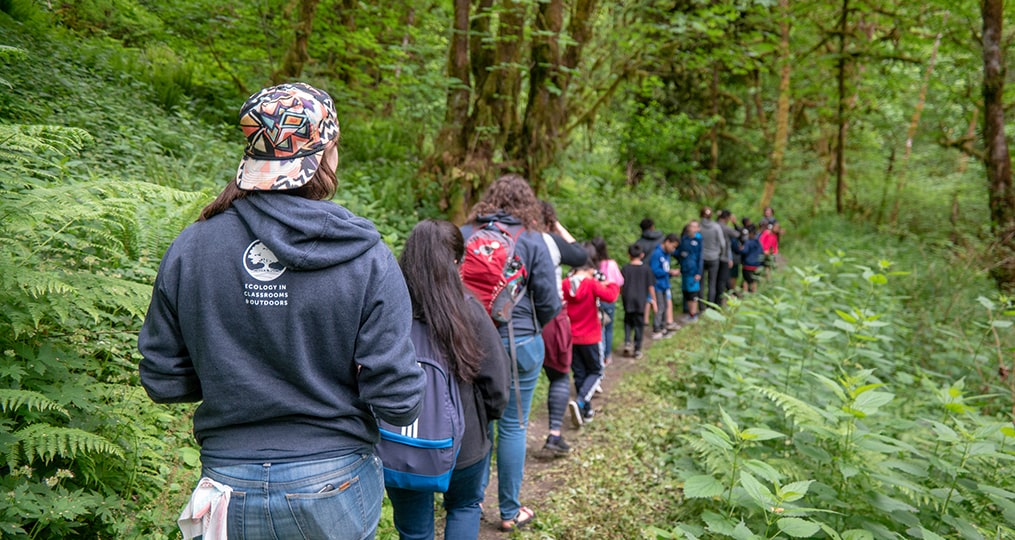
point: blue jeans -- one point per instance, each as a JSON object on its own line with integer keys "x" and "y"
{"x": 337, "y": 498}
{"x": 606, "y": 345}
{"x": 414, "y": 509}
{"x": 511, "y": 435}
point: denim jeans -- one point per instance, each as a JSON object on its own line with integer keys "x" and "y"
{"x": 511, "y": 436}
{"x": 414, "y": 509}
{"x": 606, "y": 345}
{"x": 337, "y": 498}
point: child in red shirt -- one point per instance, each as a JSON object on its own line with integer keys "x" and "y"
{"x": 583, "y": 289}
{"x": 770, "y": 244}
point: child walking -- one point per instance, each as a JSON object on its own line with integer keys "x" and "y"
{"x": 753, "y": 259}
{"x": 637, "y": 293}
{"x": 691, "y": 268}
{"x": 583, "y": 289}
{"x": 660, "y": 264}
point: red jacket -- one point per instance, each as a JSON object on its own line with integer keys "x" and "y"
{"x": 769, "y": 241}
{"x": 580, "y": 296}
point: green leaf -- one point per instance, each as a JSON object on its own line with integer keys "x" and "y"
{"x": 1008, "y": 431}
{"x": 794, "y": 491}
{"x": 857, "y": 534}
{"x": 1001, "y": 324}
{"x": 930, "y": 535}
{"x": 729, "y": 421}
{"x": 756, "y": 490}
{"x": 702, "y": 486}
{"x": 877, "y": 279}
{"x": 870, "y": 402}
{"x": 716, "y": 437}
{"x": 846, "y": 316}
{"x": 760, "y": 434}
{"x": 713, "y": 314}
{"x": 985, "y": 302}
{"x": 798, "y": 527}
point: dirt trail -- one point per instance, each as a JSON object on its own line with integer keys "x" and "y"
{"x": 540, "y": 479}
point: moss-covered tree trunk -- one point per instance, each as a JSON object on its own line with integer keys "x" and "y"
{"x": 296, "y": 56}
{"x": 782, "y": 109}
{"x": 996, "y": 157}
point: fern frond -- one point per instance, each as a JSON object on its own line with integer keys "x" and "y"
{"x": 21, "y": 144}
{"x": 12, "y": 399}
{"x": 805, "y": 415}
{"x": 48, "y": 442}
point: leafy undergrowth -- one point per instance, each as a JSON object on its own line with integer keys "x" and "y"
{"x": 829, "y": 405}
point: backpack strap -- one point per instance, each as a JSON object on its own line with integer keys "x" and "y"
{"x": 513, "y": 353}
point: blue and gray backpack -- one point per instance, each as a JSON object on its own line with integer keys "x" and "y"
{"x": 422, "y": 455}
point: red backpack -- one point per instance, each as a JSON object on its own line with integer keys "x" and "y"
{"x": 492, "y": 271}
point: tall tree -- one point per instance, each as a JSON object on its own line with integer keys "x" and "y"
{"x": 296, "y": 55}
{"x": 782, "y": 109}
{"x": 996, "y": 157}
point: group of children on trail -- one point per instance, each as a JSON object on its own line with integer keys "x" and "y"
{"x": 712, "y": 257}
{"x": 313, "y": 351}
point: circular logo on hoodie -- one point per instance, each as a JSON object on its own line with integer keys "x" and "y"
{"x": 261, "y": 263}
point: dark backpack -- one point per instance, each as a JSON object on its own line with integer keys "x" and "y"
{"x": 422, "y": 455}
{"x": 492, "y": 271}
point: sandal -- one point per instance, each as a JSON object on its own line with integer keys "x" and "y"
{"x": 524, "y": 516}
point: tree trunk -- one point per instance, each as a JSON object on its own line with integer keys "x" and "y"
{"x": 996, "y": 158}
{"x": 840, "y": 142}
{"x": 782, "y": 110}
{"x": 444, "y": 166}
{"x": 296, "y": 56}
{"x": 713, "y": 161}
{"x": 914, "y": 123}
{"x": 547, "y": 113}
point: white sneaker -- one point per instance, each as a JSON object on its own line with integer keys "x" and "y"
{"x": 657, "y": 335}
{"x": 575, "y": 412}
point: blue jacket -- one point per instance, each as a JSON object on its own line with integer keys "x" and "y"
{"x": 660, "y": 264}
{"x": 691, "y": 263}
{"x": 753, "y": 254}
{"x": 542, "y": 299}
{"x": 289, "y": 319}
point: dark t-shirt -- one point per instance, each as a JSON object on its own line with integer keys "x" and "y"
{"x": 638, "y": 279}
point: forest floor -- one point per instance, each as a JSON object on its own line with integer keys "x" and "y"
{"x": 545, "y": 473}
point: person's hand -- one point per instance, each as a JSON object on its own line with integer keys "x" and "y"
{"x": 697, "y": 277}
{"x": 731, "y": 264}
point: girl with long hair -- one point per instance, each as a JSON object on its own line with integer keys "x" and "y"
{"x": 461, "y": 329}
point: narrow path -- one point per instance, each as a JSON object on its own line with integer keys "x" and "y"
{"x": 540, "y": 479}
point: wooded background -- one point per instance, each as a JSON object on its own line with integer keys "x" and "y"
{"x": 880, "y": 121}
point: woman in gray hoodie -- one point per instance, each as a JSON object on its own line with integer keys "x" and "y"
{"x": 713, "y": 250}
{"x": 288, "y": 319}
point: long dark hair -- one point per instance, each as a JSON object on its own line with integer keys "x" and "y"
{"x": 602, "y": 254}
{"x": 429, "y": 263}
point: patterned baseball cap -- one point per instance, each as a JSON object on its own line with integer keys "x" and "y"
{"x": 287, "y": 128}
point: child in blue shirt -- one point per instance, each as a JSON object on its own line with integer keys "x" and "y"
{"x": 691, "y": 267}
{"x": 660, "y": 264}
{"x": 753, "y": 258}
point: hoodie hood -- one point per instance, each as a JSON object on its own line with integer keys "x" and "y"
{"x": 306, "y": 234}
{"x": 501, "y": 217}
{"x": 652, "y": 235}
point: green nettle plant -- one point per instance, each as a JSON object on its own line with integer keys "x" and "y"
{"x": 848, "y": 437}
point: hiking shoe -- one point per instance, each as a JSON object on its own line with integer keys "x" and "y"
{"x": 588, "y": 413}
{"x": 575, "y": 412}
{"x": 673, "y": 326}
{"x": 556, "y": 445}
{"x": 638, "y": 355}
{"x": 657, "y": 335}
{"x": 628, "y": 347}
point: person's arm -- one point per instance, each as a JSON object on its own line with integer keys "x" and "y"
{"x": 571, "y": 253}
{"x": 494, "y": 377}
{"x": 390, "y": 380}
{"x": 542, "y": 283}
{"x": 166, "y": 369}
{"x": 559, "y": 229}
{"x": 606, "y": 291}
{"x": 656, "y": 264}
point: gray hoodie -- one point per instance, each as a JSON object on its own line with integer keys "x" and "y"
{"x": 713, "y": 241}
{"x": 290, "y": 319}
